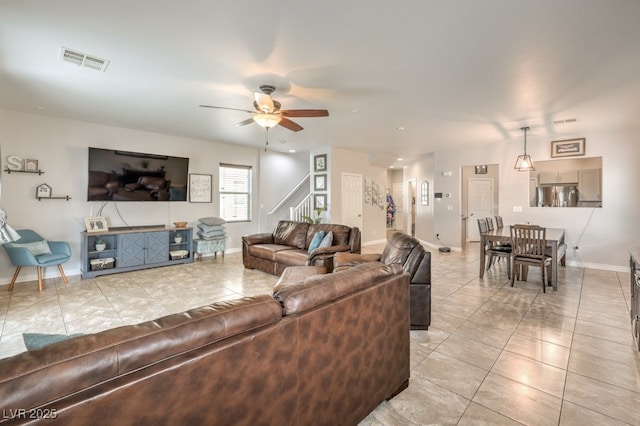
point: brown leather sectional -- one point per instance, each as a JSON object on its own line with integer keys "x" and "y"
{"x": 405, "y": 250}
{"x": 323, "y": 349}
{"x": 288, "y": 245}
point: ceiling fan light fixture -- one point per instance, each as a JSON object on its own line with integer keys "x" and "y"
{"x": 267, "y": 120}
{"x": 524, "y": 163}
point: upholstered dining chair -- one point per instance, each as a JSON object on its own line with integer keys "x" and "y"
{"x": 33, "y": 250}
{"x": 495, "y": 250}
{"x": 528, "y": 243}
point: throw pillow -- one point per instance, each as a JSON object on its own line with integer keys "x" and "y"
{"x": 38, "y": 340}
{"x": 210, "y": 228}
{"x": 327, "y": 241}
{"x": 316, "y": 240}
{"x": 212, "y": 220}
{"x": 212, "y": 234}
{"x": 36, "y": 247}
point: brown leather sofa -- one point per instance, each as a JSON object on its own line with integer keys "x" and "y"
{"x": 323, "y": 350}
{"x": 288, "y": 245}
{"x": 402, "y": 249}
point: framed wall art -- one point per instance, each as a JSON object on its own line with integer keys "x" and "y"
{"x": 30, "y": 165}
{"x": 567, "y": 148}
{"x": 96, "y": 224}
{"x": 320, "y": 201}
{"x": 320, "y": 182}
{"x": 43, "y": 191}
{"x": 320, "y": 163}
{"x": 199, "y": 188}
{"x": 481, "y": 170}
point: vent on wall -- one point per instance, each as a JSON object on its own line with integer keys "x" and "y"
{"x": 83, "y": 59}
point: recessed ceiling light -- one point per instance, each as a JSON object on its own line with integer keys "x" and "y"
{"x": 41, "y": 107}
{"x": 400, "y": 128}
{"x": 399, "y": 159}
{"x": 292, "y": 151}
{"x": 355, "y": 110}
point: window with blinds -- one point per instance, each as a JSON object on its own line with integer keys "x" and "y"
{"x": 235, "y": 192}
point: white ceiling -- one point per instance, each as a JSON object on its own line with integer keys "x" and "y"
{"x": 450, "y": 72}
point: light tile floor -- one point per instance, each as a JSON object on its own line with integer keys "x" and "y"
{"x": 493, "y": 354}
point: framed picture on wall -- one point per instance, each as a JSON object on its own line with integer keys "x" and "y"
{"x": 320, "y": 163}
{"x": 320, "y": 201}
{"x": 30, "y": 165}
{"x": 320, "y": 183}
{"x": 567, "y": 148}
{"x": 199, "y": 188}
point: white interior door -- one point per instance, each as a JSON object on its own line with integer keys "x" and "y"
{"x": 352, "y": 200}
{"x": 480, "y": 202}
{"x": 398, "y": 199}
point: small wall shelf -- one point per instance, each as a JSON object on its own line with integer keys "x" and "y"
{"x": 66, "y": 197}
{"x": 34, "y": 172}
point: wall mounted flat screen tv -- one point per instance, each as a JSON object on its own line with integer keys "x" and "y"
{"x": 116, "y": 175}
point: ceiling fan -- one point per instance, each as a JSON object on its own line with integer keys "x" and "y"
{"x": 268, "y": 113}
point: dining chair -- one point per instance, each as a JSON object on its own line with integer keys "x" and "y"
{"x": 33, "y": 250}
{"x": 528, "y": 243}
{"x": 499, "y": 222}
{"x": 493, "y": 250}
{"x": 490, "y": 224}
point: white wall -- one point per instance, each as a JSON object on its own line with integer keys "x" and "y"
{"x": 602, "y": 234}
{"x": 421, "y": 170}
{"x": 60, "y": 146}
{"x": 279, "y": 174}
{"x": 346, "y": 161}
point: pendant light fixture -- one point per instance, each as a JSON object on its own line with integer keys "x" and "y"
{"x": 524, "y": 163}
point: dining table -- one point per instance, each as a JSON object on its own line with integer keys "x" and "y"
{"x": 554, "y": 238}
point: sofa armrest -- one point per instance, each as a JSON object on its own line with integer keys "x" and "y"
{"x": 264, "y": 238}
{"x": 346, "y": 260}
{"x": 355, "y": 238}
{"x": 326, "y": 252}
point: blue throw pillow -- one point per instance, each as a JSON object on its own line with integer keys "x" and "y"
{"x": 316, "y": 240}
{"x": 327, "y": 241}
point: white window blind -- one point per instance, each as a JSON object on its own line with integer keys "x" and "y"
{"x": 235, "y": 192}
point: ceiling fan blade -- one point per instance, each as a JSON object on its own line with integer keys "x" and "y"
{"x": 264, "y": 102}
{"x": 232, "y": 109}
{"x": 244, "y": 122}
{"x": 305, "y": 113}
{"x": 293, "y": 126}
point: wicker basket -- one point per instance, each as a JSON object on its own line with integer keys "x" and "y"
{"x": 100, "y": 264}
{"x": 178, "y": 254}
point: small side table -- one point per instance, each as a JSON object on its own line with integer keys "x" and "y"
{"x": 213, "y": 245}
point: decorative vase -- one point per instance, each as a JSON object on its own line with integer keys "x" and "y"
{"x": 177, "y": 240}
{"x": 100, "y": 247}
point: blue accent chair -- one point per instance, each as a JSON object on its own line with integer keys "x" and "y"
{"x": 33, "y": 250}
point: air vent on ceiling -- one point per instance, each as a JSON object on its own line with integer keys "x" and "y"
{"x": 83, "y": 59}
{"x": 568, "y": 120}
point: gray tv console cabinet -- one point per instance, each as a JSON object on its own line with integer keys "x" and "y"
{"x": 133, "y": 248}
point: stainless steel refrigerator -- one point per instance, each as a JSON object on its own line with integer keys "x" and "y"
{"x": 557, "y": 196}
